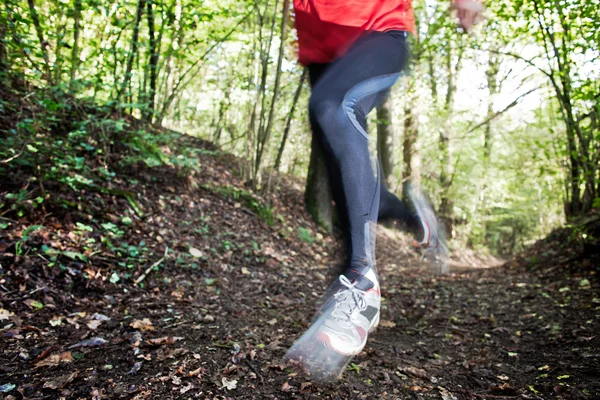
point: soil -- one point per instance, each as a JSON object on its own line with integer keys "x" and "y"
{"x": 226, "y": 294}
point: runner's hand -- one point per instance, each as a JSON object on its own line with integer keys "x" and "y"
{"x": 470, "y": 12}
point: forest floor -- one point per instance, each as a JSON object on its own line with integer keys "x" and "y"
{"x": 230, "y": 280}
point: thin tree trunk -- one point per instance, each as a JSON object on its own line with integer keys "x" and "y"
{"x": 133, "y": 48}
{"x": 153, "y": 42}
{"x": 3, "y": 34}
{"x": 261, "y": 95}
{"x": 318, "y": 196}
{"x": 385, "y": 139}
{"x": 75, "y": 49}
{"x": 43, "y": 43}
{"x": 267, "y": 134}
{"x": 288, "y": 123}
{"x": 491, "y": 77}
{"x": 411, "y": 132}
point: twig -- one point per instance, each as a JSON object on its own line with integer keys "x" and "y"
{"x": 147, "y": 271}
{"x": 13, "y": 157}
{"x": 249, "y": 364}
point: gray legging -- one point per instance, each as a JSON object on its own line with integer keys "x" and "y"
{"x": 343, "y": 93}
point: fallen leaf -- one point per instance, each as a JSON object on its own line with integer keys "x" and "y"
{"x": 34, "y": 304}
{"x": 195, "y": 252}
{"x": 272, "y": 322}
{"x": 93, "y": 342}
{"x": 163, "y": 340}
{"x": 143, "y": 325}
{"x": 229, "y": 384}
{"x": 186, "y": 388}
{"x": 286, "y": 387}
{"x": 55, "y": 321}
{"x": 55, "y": 359}
{"x": 416, "y": 372}
{"x": 446, "y": 395}
{"x": 100, "y": 317}
{"x": 93, "y": 325}
{"x": 136, "y": 368}
{"x": 196, "y": 372}
{"x": 61, "y": 381}
{"x": 387, "y": 324}
{"x": 7, "y": 387}
{"x": 5, "y": 314}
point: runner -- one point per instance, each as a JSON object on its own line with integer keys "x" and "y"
{"x": 354, "y": 51}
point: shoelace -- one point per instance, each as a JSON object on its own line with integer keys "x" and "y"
{"x": 348, "y": 299}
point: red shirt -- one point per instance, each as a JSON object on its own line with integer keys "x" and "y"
{"x": 327, "y": 28}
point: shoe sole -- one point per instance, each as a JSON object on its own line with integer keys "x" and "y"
{"x": 323, "y": 338}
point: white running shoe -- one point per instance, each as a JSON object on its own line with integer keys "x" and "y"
{"x": 352, "y": 314}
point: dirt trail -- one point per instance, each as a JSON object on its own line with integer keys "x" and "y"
{"x": 233, "y": 293}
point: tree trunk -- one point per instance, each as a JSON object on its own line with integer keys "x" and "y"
{"x": 288, "y": 123}
{"x": 409, "y": 138}
{"x": 318, "y": 196}
{"x": 75, "y": 49}
{"x": 3, "y": 33}
{"x": 133, "y": 48}
{"x": 492, "y": 83}
{"x": 153, "y": 63}
{"x": 446, "y": 206}
{"x": 385, "y": 139}
{"x": 261, "y": 94}
{"x": 43, "y": 43}
{"x": 267, "y": 134}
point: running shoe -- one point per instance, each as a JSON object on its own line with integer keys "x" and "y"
{"x": 352, "y": 314}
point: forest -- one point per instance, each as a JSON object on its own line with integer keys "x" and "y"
{"x": 158, "y": 174}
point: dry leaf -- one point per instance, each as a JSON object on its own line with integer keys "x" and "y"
{"x": 163, "y": 340}
{"x": 94, "y": 324}
{"x": 416, "y": 372}
{"x": 272, "y": 322}
{"x": 229, "y": 384}
{"x": 55, "y": 359}
{"x": 60, "y": 382}
{"x": 5, "y": 314}
{"x": 286, "y": 387}
{"x": 387, "y": 324}
{"x": 195, "y": 252}
{"x": 143, "y": 325}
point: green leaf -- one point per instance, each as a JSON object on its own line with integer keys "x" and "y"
{"x": 114, "y": 278}
{"x": 126, "y": 221}
{"x": 32, "y": 149}
{"x": 75, "y": 256}
{"x": 209, "y": 281}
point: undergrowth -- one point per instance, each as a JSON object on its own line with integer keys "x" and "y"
{"x": 51, "y": 138}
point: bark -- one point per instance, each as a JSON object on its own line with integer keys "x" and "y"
{"x": 385, "y": 139}
{"x": 492, "y": 82}
{"x": 318, "y": 196}
{"x": 411, "y": 132}
{"x": 288, "y": 123}
{"x": 40, "y": 35}
{"x": 133, "y": 48}
{"x": 75, "y": 50}
{"x": 267, "y": 134}
{"x": 3, "y": 33}
{"x": 153, "y": 63}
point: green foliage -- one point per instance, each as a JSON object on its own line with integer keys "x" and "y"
{"x": 305, "y": 235}
{"x": 253, "y": 202}
{"x": 24, "y": 238}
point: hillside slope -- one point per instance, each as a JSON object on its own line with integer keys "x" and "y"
{"x": 170, "y": 280}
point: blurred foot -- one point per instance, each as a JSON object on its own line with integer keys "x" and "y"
{"x": 433, "y": 242}
{"x": 352, "y": 314}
